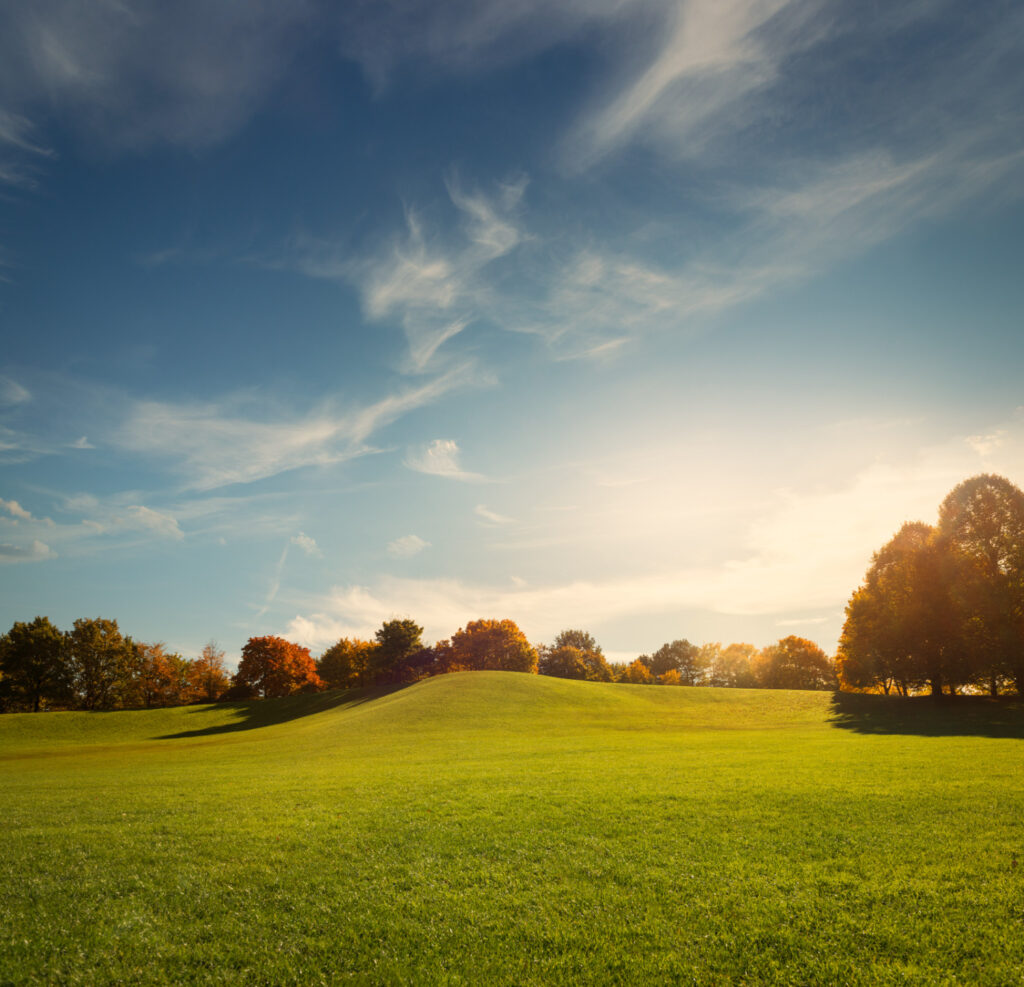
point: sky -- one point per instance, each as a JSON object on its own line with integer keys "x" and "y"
{"x": 650, "y": 318}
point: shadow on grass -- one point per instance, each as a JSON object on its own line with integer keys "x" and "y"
{"x": 951, "y": 716}
{"x": 252, "y": 714}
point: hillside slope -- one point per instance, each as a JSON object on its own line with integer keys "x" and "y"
{"x": 504, "y": 828}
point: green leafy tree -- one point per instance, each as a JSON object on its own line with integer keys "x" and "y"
{"x": 566, "y": 662}
{"x": 795, "y": 663}
{"x": 33, "y": 666}
{"x": 397, "y": 641}
{"x": 575, "y": 655}
{"x": 681, "y": 655}
{"x": 102, "y": 663}
{"x": 349, "y": 663}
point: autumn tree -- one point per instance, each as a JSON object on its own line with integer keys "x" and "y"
{"x": 982, "y": 521}
{"x": 637, "y": 673}
{"x": 348, "y": 663}
{"x": 101, "y": 661}
{"x": 160, "y": 677}
{"x": 207, "y": 675}
{"x": 33, "y": 666}
{"x": 575, "y": 655}
{"x": 795, "y": 663}
{"x": 272, "y": 666}
{"x": 901, "y": 625}
{"x": 497, "y": 645}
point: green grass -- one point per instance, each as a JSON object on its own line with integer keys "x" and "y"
{"x": 502, "y": 828}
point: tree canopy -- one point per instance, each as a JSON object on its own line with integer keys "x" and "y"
{"x": 943, "y": 607}
{"x": 272, "y": 666}
{"x": 495, "y": 645}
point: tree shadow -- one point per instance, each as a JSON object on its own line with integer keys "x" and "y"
{"x": 923, "y": 716}
{"x": 253, "y": 714}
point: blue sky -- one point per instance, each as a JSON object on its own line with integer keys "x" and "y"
{"x": 650, "y": 318}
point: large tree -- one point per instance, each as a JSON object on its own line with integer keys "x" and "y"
{"x": 272, "y": 666}
{"x": 902, "y": 627}
{"x": 33, "y": 666}
{"x": 982, "y": 521}
{"x": 497, "y": 645}
{"x": 102, "y": 663}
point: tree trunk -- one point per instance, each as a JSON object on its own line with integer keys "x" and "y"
{"x": 936, "y": 684}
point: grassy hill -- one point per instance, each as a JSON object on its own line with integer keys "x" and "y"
{"x": 504, "y": 828}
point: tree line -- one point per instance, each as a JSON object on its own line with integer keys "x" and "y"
{"x": 941, "y": 608}
{"x": 94, "y": 667}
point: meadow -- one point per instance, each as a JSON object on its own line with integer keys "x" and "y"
{"x": 495, "y": 827}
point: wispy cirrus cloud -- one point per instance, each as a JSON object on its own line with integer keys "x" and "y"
{"x": 217, "y": 444}
{"x": 491, "y": 517}
{"x": 13, "y": 393}
{"x": 711, "y": 56}
{"x": 131, "y": 74}
{"x": 433, "y": 283}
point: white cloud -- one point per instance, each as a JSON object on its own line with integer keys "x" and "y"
{"x": 711, "y": 58}
{"x": 36, "y": 551}
{"x": 214, "y": 445}
{"x": 81, "y": 443}
{"x": 15, "y": 509}
{"x": 432, "y": 282}
{"x": 440, "y": 458}
{"x": 307, "y": 544}
{"x": 407, "y": 546}
{"x": 491, "y": 517}
{"x": 803, "y": 551}
{"x": 146, "y": 518}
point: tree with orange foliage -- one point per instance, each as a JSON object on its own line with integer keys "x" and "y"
{"x": 161, "y": 678}
{"x": 497, "y": 645}
{"x": 636, "y": 673}
{"x": 208, "y": 678}
{"x": 272, "y": 666}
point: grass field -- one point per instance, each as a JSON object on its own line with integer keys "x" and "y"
{"x": 500, "y": 828}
